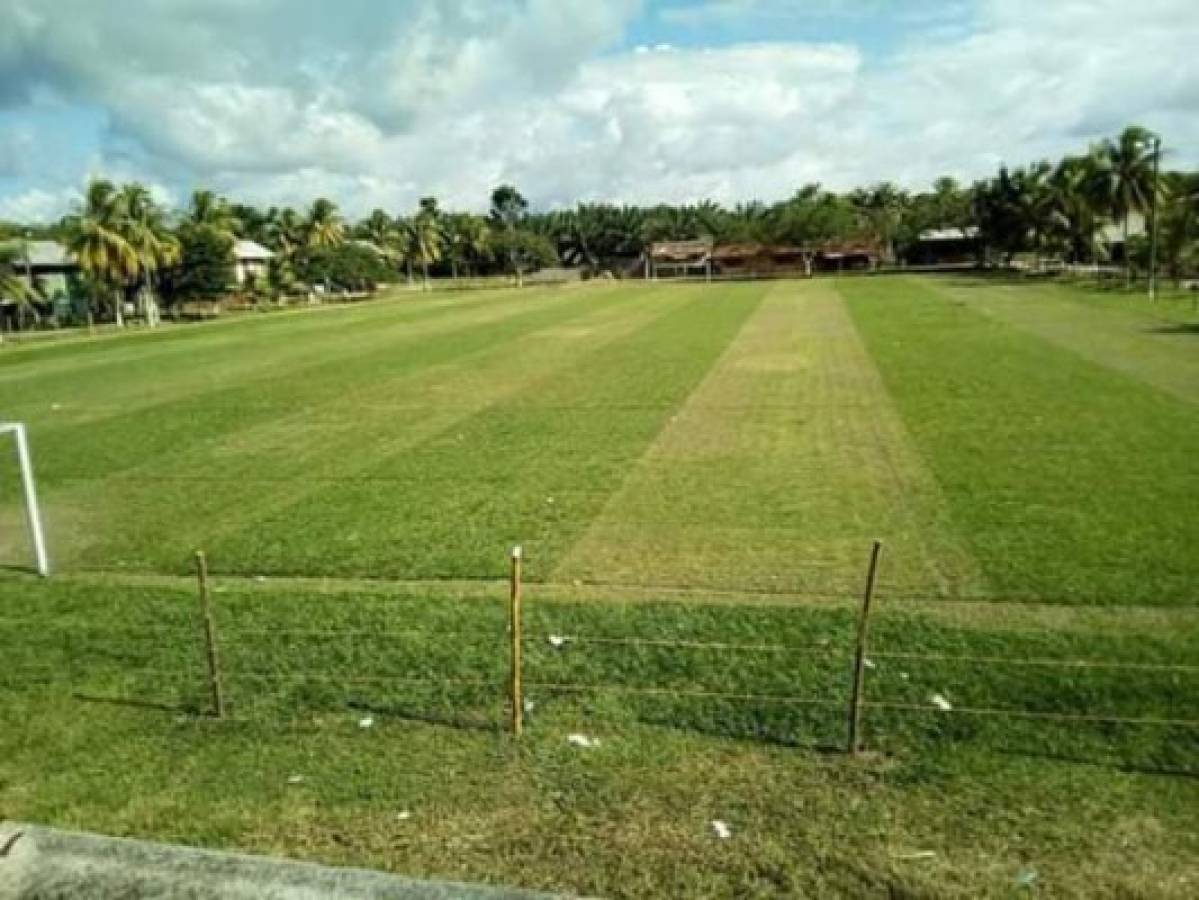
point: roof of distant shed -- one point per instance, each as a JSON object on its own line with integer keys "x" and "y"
{"x": 681, "y": 251}
{"x": 969, "y": 233}
{"x": 247, "y": 251}
{"x": 750, "y": 249}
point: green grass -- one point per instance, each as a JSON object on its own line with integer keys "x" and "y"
{"x": 686, "y": 465}
{"x": 1068, "y": 478}
{"x": 990, "y": 798}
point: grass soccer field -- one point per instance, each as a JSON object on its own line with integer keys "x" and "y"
{"x": 682, "y": 464}
{"x": 1005, "y": 442}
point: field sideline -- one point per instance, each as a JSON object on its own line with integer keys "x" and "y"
{"x": 681, "y": 463}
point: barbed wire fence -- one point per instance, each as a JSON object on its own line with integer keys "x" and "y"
{"x": 218, "y": 668}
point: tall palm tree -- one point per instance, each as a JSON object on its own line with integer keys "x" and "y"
{"x": 324, "y": 226}
{"x": 12, "y": 286}
{"x": 96, "y": 237}
{"x": 285, "y": 232}
{"x": 212, "y": 211}
{"x": 385, "y": 234}
{"x": 475, "y": 241}
{"x": 1126, "y": 179}
{"x": 146, "y": 231}
{"x": 464, "y": 238}
{"x": 425, "y": 241}
{"x": 1034, "y": 204}
{"x": 1180, "y": 221}
{"x": 378, "y": 228}
{"x": 1076, "y": 204}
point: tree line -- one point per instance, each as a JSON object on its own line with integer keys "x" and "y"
{"x": 132, "y": 250}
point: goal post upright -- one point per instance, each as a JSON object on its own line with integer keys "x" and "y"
{"x": 32, "y": 512}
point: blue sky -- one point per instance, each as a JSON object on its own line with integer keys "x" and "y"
{"x": 878, "y": 27}
{"x": 376, "y": 104}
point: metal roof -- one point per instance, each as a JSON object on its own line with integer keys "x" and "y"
{"x": 250, "y": 250}
{"x": 969, "y": 233}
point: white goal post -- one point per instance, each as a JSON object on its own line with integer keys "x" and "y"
{"x": 32, "y": 513}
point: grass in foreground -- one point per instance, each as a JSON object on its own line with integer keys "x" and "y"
{"x": 98, "y": 745}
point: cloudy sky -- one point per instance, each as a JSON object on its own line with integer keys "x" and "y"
{"x": 377, "y": 102}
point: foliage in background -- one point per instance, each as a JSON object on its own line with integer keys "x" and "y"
{"x": 347, "y": 266}
{"x": 1075, "y": 210}
{"x": 205, "y": 269}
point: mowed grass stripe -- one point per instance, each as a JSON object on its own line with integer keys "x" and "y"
{"x": 1126, "y": 334}
{"x": 778, "y": 472}
{"x": 147, "y": 436}
{"x": 1069, "y": 481}
{"x": 533, "y": 469}
{"x": 240, "y": 492}
{"x": 242, "y": 371}
{"x": 63, "y": 365}
{"x": 111, "y": 497}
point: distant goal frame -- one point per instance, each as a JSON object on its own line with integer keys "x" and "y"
{"x": 33, "y": 514}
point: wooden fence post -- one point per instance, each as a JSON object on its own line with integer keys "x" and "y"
{"x": 516, "y": 690}
{"x": 859, "y": 661}
{"x": 210, "y": 645}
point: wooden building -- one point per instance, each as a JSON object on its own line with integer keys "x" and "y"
{"x": 675, "y": 259}
{"x": 751, "y": 259}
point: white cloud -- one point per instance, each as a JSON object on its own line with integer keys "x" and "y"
{"x": 36, "y": 205}
{"x": 376, "y": 104}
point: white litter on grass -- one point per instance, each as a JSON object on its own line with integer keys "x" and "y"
{"x": 56, "y": 406}
{"x": 529, "y": 704}
{"x": 295, "y": 779}
{"x": 1026, "y": 878}
{"x": 549, "y": 500}
{"x": 721, "y": 829}
{"x": 922, "y": 854}
{"x": 403, "y": 815}
{"x": 366, "y": 722}
{"x": 583, "y": 741}
{"x": 903, "y": 675}
{"x": 868, "y": 663}
{"x": 940, "y": 703}
{"x": 558, "y": 641}
{"x": 260, "y": 578}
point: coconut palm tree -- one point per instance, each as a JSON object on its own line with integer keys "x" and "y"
{"x": 212, "y": 211}
{"x": 464, "y": 239}
{"x": 1076, "y": 204}
{"x": 1126, "y": 179}
{"x": 1180, "y": 222}
{"x": 324, "y": 226}
{"x": 475, "y": 241}
{"x": 378, "y": 228}
{"x": 146, "y": 231}
{"x": 285, "y": 232}
{"x": 96, "y": 235}
{"x": 386, "y": 234}
{"x": 425, "y": 240}
{"x": 1034, "y": 204}
{"x": 12, "y": 286}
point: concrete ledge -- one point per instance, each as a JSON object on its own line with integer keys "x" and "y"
{"x": 48, "y": 864}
